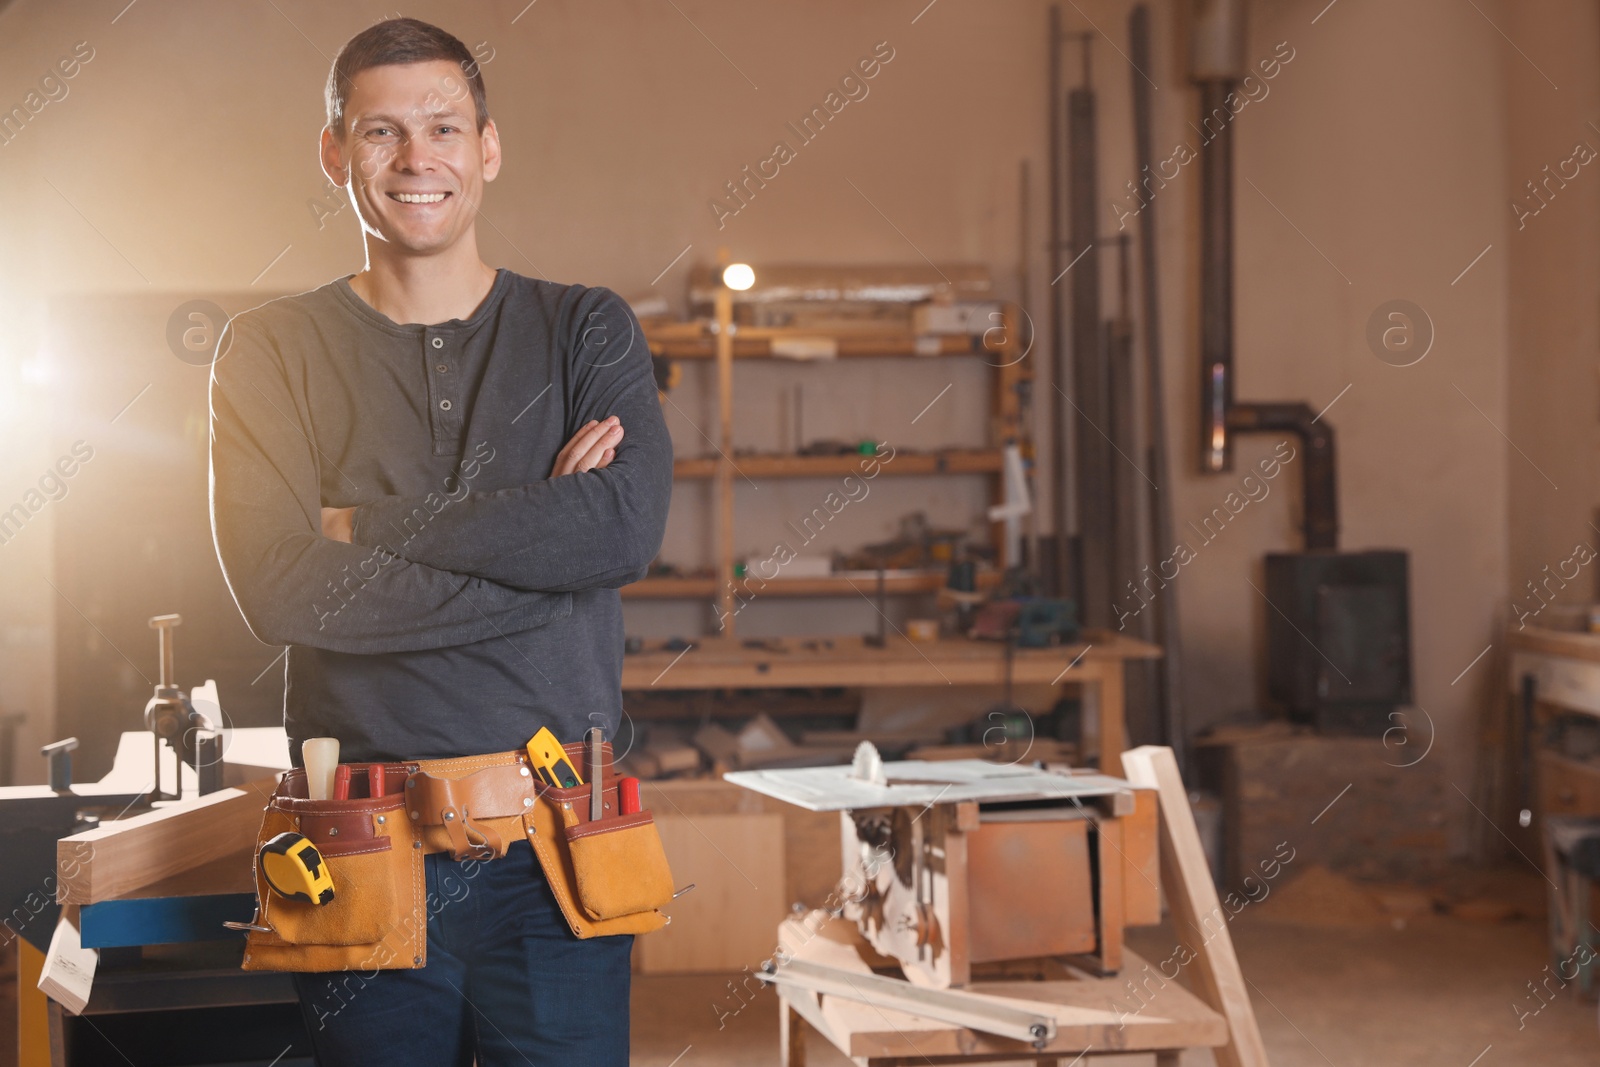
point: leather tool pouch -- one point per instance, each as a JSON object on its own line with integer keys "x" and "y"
{"x": 609, "y": 876}
{"x": 617, "y": 865}
{"x": 377, "y": 919}
{"x": 475, "y": 806}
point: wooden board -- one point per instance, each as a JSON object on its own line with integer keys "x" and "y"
{"x": 1090, "y": 1013}
{"x": 120, "y": 857}
{"x": 1110, "y": 851}
{"x": 1568, "y": 643}
{"x": 1192, "y": 897}
{"x": 1141, "y": 880}
{"x": 68, "y": 974}
{"x": 725, "y": 923}
{"x": 719, "y": 661}
{"x": 944, "y": 461}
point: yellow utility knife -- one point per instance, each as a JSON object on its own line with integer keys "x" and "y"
{"x": 546, "y": 753}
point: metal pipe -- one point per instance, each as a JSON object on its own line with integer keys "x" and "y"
{"x": 1169, "y": 667}
{"x": 1090, "y": 379}
{"x": 1217, "y": 62}
{"x": 1060, "y": 495}
{"x": 1319, "y": 478}
{"x": 1216, "y": 279}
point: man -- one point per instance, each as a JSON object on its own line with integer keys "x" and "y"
{"x": 422, "y": 485}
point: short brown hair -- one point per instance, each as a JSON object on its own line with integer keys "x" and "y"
{"x": 399, "y": 41}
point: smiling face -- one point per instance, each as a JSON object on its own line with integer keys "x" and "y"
{"x": 411, "y": 155}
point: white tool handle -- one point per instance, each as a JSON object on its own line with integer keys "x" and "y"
{"x": 321, "y": 756}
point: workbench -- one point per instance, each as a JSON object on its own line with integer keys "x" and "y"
{"x": 1096, "y": 664}
{"x": 1563, "y": 669}
{"x": 1555, "y": 677}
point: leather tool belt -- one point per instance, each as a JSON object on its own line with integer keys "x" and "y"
{"x": 609, "y": 875}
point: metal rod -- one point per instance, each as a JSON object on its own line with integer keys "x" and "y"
{"x": 1089, "y": 378}
{"x": 1024, "y": 386}
{"x": 1169, "y": 667}
{"x": 1060, "y": 460}
{"x": 1121, "y": 428}
{"x": 1216, "y": 278}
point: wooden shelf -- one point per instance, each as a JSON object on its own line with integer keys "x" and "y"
{"x": 852, "y": 584}
{"x": 694, "y": 340}
{"x": 948, "y": 461}
{"x": 722, "y": 342}
{"x": 671, "y": 589}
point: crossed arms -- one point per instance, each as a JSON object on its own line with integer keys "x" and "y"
{"x": 489, "y": 563}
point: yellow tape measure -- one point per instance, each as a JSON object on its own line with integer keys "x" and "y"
{"x": 295, "y": 869}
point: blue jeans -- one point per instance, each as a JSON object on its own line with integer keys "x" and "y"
{"x": 506, "y": 981}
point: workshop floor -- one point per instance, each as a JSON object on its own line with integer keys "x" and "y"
{"x": 1438, "y": 991}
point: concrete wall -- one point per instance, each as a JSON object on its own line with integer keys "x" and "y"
{"x": 1376, "y": 168}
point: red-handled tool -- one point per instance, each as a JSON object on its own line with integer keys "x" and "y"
{"x": 341, "y": 782}
{"x": 627, "y": 795}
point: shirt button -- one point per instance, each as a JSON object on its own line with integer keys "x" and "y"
{"x": 441, "y": 368}
{"x": 438, "y": 342}
{"x": 444, "y": 405}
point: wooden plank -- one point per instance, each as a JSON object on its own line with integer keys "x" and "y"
{"x": 791, "y": 1036}
{"x": 1091, "y": 1013}
{"x": 953, "y": 901}
{"x": 958, "y": 653}
{"x": 726, "y": 922}
{"x": 1192, "y": 896}
{"x": 1112, "y": 875}
{"x": 943, "y": 461}
{"x": 747, "y": 345}
{"x": 68, "y": 973}
{"x": 844, "y": 585}
{"x": 718, "y": 662}
{"x": 1141, "y": 881}
{"x": 1113, "y": 713}
{"x": 1573, "y": 644}
{"x": 119, "y": 857}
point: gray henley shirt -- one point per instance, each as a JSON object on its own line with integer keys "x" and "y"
{"x": 479, "y": 599}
